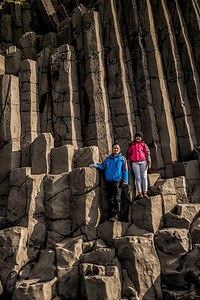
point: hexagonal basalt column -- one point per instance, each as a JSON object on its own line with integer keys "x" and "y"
{"x": 29, "y": 108}
{"x": 10, "y": 131}
{"x": 41, "y": 153}
{"x": 65, "y": 97}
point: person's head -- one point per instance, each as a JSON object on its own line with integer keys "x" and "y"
{"x": 116, "y": 149}
{"x": 138, "y": 137}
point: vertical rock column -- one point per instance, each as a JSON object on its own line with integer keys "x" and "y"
{"x": 175, "y": 78}
{"x": 6, "y": 28}
{"x": 145, "y": 107}
{"x": 45, "y": 103}
{"x": 16, "y": 14}
{"x": 48, "y": 13}
{"x": 29, "y": 108}
{"x": 10, "y": 130}
{"x": 120, "y": 96}
{"x": 159, "y": 89}
{"x": 192, "y": 76}
{"x": 65, "y": 97}
{"x": 98, "y": 130}
{"x": 2, "y": 65}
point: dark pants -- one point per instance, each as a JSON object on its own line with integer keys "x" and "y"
{"x": 114, "y": 190}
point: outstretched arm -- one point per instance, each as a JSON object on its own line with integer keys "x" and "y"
{"x": 101, "y": 166}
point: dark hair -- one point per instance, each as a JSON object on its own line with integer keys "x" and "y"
{"x": 115, "y": 144}
{"x": 139, "y": 134}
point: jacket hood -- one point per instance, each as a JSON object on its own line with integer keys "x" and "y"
{"x": 111, "y": 155}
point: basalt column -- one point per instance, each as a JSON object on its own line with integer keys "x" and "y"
{"x": 44, "y": 90}
{"x": 119, "y": 91}
{"x": 65, "y": 97}
{"x": 143, "y": 102}
{"x": 160, "y": 94}
{"x": 10, "y": 131}
{"x": 175, "y": 79}
{"x": 97, "y": 113}
{"x": 189, "y": 60}
{"x": 29, "y": 108}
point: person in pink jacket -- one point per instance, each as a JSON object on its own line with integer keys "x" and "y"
{"x": 141, "y": 162}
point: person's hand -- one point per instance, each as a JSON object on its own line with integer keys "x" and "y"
{"x": 149, "y": 166}
{"x": 90, "y": 165}
{"x": 124, "y": 185}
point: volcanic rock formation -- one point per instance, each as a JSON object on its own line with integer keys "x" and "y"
{"x": 76, "y": 76}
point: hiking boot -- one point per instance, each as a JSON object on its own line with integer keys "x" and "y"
{"x": 139, "y": 197}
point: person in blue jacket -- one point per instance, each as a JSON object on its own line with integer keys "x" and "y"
{"x": 116, "y": 173}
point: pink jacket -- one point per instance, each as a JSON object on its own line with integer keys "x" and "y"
{"x": 139, "y": 152}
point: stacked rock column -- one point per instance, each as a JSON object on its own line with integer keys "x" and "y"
{"x": 10, "y": 132}
{"x": 29, "y": 108}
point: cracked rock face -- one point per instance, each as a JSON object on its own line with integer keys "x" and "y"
{"x": 76, "y": 77}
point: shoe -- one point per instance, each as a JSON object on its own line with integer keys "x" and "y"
{"x": 114, "y": 218}
{"x": 139, "y": 197}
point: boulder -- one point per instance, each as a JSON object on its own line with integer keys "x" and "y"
{"x": 68, "y": 253}
{"x": 166, "y": 188}
{"x": 13, "y": 251}
{"x": 190, "y": 264}
{"x": 85, "y": 209}
{"x": 128, "y": 288}
{"x": 147, "y": 213}
{"x": 182, "y": 295}
{"x": 176, "y": 221}
{"x": 91, "y": 269}
{"x": 152, "y": 178}
{"x": 103, "y": 287}
{"x": 61, "y": 227}
{"x": 17, "y": 198}
{"x": 41, "y": 154}
{"x": 195, "y": 231}
{"x": 44, "y": 268}
{"x": 57, "y": 207}
{"x": 54, "y": 184}
{"x": 172, "y": 244}
{"x": 104, "y": 256}
{"x": 68, "y": 284}
{"x": 27, "y": 44}
{"x": 13, "y": 60}
{"x": 62, "y": 159}
{"x": 188, "y": 211}
{"x": 189, "y": 169}
{"x": 83, "y": 180}
{"x": 108, "y": 231}
{"x": 181, "y": 189}
{"x": 34, "y": 289}
{"x": 83, "y": 157}
{"x": 138, "y": 256}
{"x": 135, "y": 230}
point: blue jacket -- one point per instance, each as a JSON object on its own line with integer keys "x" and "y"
{"x": 115, "y": 168}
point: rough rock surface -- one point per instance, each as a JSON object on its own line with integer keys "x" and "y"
{"x": 75, "y": 77}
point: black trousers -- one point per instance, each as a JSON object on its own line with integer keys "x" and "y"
{"x": 114, "y": 190}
